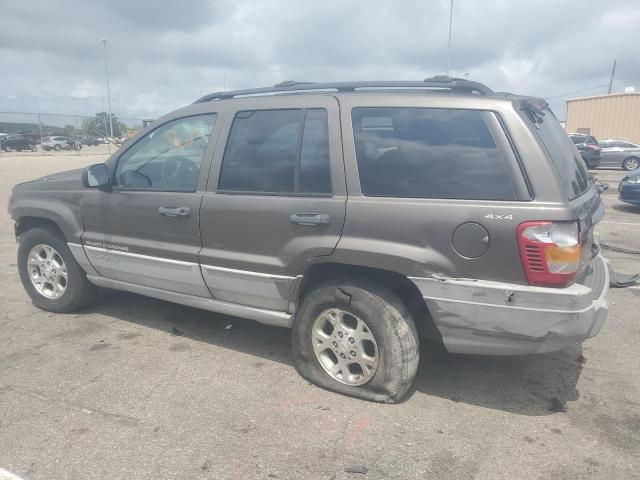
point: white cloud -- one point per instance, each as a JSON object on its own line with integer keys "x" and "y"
{"x": 164, "y": 58}
{"x": 86, "y": 89}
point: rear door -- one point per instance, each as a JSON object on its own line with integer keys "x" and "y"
{"x": 434, "y": 186}
{"x": 275, "y": 200}
{"x": 145, "y": 230}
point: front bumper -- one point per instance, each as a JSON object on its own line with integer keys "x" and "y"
{"x": 630, "y": 193}
{"x": 494, "y": 318}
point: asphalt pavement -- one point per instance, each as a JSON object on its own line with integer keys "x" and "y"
{"x": 137, "y": 388}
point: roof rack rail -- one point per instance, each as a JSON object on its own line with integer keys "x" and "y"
{"x": 437, "y": 83}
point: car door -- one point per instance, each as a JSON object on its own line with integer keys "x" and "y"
{"x": 612, "y": 153}
{"x": 275, "y": 200}
{"x": 145, "y": 230}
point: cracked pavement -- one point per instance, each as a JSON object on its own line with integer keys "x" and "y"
{"x": 138, "y": 388}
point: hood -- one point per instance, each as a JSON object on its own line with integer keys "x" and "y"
{"x": 67, "y": 180}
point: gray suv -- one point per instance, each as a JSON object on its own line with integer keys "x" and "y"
{"x": 364, "y": 216}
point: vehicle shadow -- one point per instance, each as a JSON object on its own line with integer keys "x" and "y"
{"x": 530, "y": 385}
{"x": 626, "y": 208}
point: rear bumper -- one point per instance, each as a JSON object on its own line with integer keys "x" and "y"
{"x": 592, "y": 158}
{"x": 493, "y": 318}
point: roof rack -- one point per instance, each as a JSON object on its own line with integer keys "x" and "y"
{"x": 437, "y": 83}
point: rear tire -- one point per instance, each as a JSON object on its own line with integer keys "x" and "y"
{"x": 387, "y": 326}
{"x": 57, "y": 148}
{"x": 630, "y": 163}
{"x": 78, "y": 292}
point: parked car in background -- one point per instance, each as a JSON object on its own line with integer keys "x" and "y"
{"x": 17, "y": 143}
{"x": 629, "y": 189}
{"x": 89, "y": 140}
{"x": 238, "y": 204}
{"x": 74, "y": 143}
{"x": 620, "y": 154}
{"x": 60, "y": 143}
{"x": 589, "y": 149}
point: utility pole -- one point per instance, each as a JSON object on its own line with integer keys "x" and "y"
{"x": 449, "y": 48}
{"x": 106, "y": 71}
{"x": 613, "y": 72}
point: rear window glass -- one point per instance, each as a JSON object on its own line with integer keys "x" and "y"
{"x": 566, "y": 158}
{"x": 429, "y": 153}
{"x": 578, "y": 140}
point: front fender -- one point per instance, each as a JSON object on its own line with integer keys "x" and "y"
{"x": 63, "y": 209}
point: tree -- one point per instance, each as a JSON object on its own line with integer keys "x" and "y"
{"x": 69, "y": 130}
{"x": 98, "y": 126}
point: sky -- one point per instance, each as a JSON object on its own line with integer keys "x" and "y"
{"x": 165, "y": 54}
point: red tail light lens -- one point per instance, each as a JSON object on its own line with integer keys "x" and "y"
{"x": 550, "y": 252}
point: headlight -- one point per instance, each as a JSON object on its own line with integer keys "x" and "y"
{"x": 634, "y": 179}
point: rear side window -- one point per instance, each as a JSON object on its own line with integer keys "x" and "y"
{"x": 429, "y": 153}
{"x": 277, "y": 151}
{"x": 569, "y": 164}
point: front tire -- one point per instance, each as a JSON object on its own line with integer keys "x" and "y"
{"x": 630, "y": 163}
{"x": 57, "y": 148}
{"x": 356, "y": 338}
{"x": 50, "y": 274}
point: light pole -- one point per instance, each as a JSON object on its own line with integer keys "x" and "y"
{"x": 449, "y": 48}
{"x": 106, "y": 71}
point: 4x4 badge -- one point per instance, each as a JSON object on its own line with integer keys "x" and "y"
{"x": 494, "y": 216}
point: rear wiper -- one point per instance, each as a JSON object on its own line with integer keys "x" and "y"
{"x": 535, "y": 112}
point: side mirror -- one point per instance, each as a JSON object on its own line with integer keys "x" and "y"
{"x": 96, "y": 176}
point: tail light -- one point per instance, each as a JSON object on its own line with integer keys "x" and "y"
{"x": 594, "y": 147}
{"x": 550, "y": 252}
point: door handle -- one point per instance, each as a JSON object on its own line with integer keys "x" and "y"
{"x": 175, "y": 211}
{"x": 310, "y": 219}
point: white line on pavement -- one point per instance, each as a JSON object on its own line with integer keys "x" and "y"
{"x": 619, "y": 223}
{"x": 4, "y": 475}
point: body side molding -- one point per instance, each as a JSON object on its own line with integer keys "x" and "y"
{"x": 268, "y": 317}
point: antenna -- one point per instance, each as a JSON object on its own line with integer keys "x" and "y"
{"x": 449, "y": 48}
{"x": 613, "y": 72}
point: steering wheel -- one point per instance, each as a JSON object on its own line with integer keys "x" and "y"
{"x": 179, "y": 172}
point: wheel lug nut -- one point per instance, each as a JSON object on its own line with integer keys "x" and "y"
{"x": 335, "y": 344}
{"x": 353, "y": 354}
{"x": 340, "y": 334}
{"x": 343, "y": 356}
{"x": 351, "y": 340}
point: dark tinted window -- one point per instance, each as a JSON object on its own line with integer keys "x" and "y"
{"x": 577, "y": 140}
{"x": 591, "y": 141}
{"x": 617, "y": 144}
{"x": 569, "y": 164}
{"x": 314, "y": 154}
{"x": 429, "y": 153}
{"x": 277, "y": 151}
